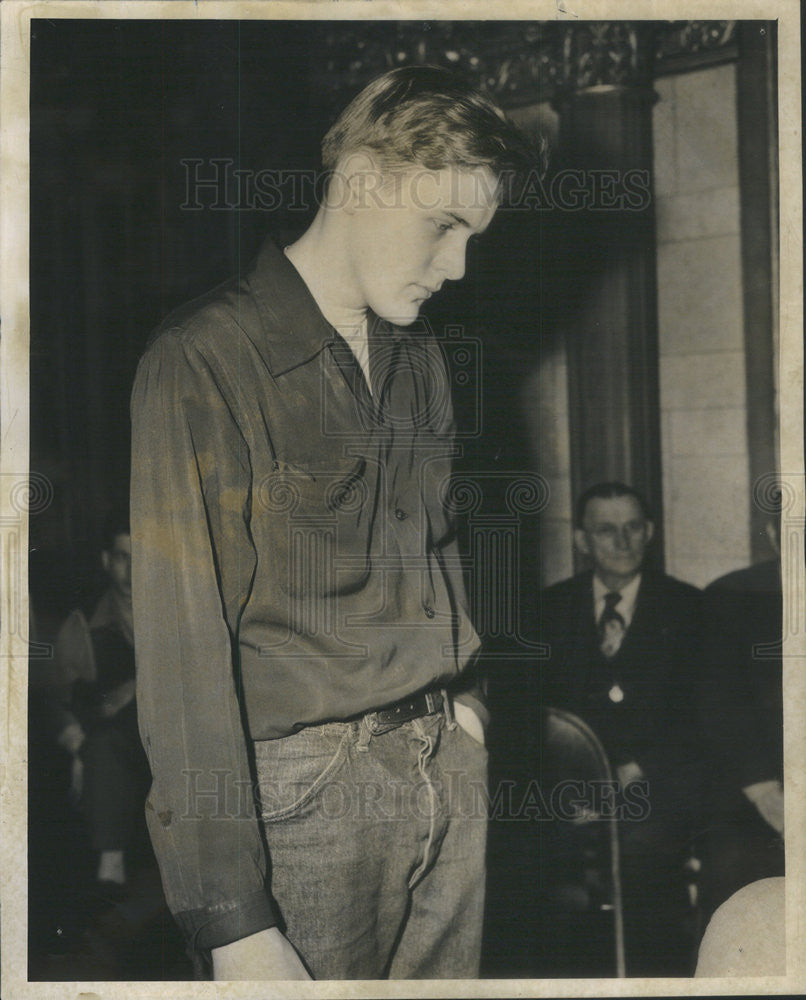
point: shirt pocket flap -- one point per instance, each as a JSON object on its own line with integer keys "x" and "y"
{"x": 339, "y": 487}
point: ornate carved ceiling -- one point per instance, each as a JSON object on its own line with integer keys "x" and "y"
{"x": 522, "y": 62}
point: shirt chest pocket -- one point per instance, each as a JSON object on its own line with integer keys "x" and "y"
{"x": 316, "y": 527}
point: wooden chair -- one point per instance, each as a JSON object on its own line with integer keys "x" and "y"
{"x": 573, "y": 757}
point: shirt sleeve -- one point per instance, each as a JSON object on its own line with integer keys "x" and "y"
{"x": 470, "y": 688}
{"x": 189, "y": 502}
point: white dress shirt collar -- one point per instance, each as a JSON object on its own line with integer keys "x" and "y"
{"x": 625, "y": 607}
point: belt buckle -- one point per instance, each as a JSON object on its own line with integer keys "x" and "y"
{"x": 435, "y": 701}
{"x": 378, "y": 728}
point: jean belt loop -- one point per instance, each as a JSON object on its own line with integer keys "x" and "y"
{"x": 364, "y": 735}
{"x": 447, "y": 706}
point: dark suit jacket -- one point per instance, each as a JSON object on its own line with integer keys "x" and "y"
{"x": 741, "y": 692}
{"x": 655, "y": 669}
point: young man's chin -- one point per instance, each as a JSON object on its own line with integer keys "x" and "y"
{"x": 406, "y": 315}
{"x": 400, "y": 312}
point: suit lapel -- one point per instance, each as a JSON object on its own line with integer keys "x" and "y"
{"x": 585, "y": 629}
{"x": 647, "y": 629}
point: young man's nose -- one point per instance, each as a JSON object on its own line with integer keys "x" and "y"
{"x": 451, "y": 262}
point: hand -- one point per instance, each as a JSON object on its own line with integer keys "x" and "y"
{"x": 71, "y": 738}
{"x": 629, "y": 772}
{"x": 768, "y": 798}
{"x": 266, "y": 955}
{"x": 469, "y": 721}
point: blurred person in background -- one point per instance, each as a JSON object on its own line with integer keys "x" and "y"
{"x": 96, "y": 715}
{"x": 741, "y": 703}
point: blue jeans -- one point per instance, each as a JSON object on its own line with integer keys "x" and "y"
{"x": 377, "y": 847}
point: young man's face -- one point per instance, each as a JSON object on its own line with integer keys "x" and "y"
{"x": 615, "y": 535}
{"x": 409, "y": 234}
{"x": 117, "y": 562}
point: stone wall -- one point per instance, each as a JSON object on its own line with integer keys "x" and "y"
{"x": 702, "y": 364}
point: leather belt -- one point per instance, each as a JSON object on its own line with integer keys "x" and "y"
{"x": 385, "y": 719}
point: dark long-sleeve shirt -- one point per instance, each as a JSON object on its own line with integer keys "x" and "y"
{"x": 293, "y": 561}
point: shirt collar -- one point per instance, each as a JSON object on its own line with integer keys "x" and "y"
{"x": 295, "y": 329}
{"x": 625, "y": 607}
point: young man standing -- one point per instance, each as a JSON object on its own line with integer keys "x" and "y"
{"x": 299, "y": 606}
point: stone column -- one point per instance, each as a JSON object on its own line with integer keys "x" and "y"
{"x": 609, "y": 308}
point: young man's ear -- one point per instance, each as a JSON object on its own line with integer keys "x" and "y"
{"x": 650, "y": 531}
{"x": 359, "y": 178}
{"x": 106, "y": 560}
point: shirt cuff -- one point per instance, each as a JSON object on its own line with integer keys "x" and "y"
{"x": 214, "y": 926}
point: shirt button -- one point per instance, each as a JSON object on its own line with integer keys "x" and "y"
{"x": 429, "y": 611}
{"x": 400, "y": 514}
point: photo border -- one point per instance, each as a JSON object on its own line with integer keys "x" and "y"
{"x": 14, "y": 471}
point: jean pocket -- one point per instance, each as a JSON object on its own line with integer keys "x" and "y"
{"x": 294, "y": 770}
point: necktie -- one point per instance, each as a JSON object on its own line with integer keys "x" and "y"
{"x": 611, "y": 626}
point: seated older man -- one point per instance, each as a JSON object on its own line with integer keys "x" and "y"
{"x": 623, "y": 648}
